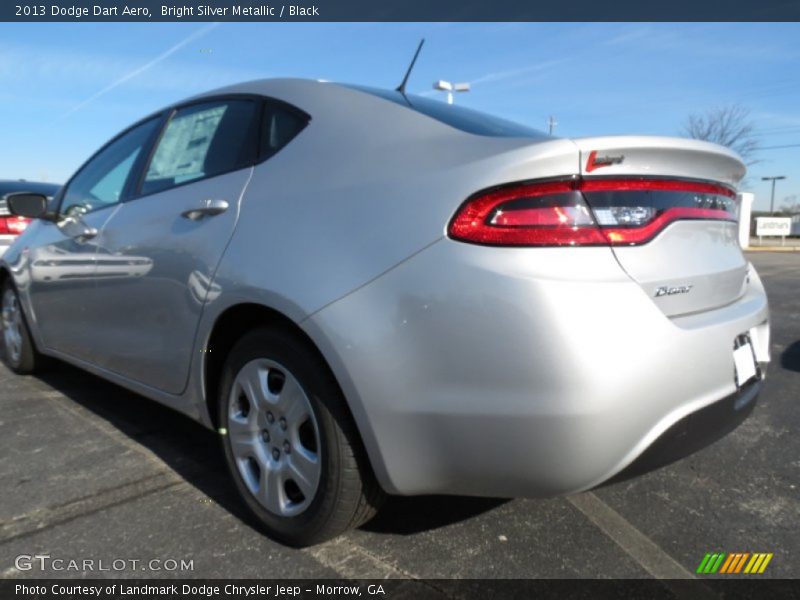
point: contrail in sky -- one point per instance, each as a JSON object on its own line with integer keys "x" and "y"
{"x": 139, "y": 70}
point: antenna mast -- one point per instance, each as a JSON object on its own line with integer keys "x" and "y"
{"x": 402, "y": 87}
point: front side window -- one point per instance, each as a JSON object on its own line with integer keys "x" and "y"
{"x": 102, "y": 181}
{"x": 203, "y": 140}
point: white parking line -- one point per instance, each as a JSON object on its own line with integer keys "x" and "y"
{"x": 352, "y": 561}
{"x": 637, "y": 545}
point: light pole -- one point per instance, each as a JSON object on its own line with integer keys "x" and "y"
{"x": 551, "y": 124}
{"x": 772, "y": 197}
{"x": 446, "y": 86}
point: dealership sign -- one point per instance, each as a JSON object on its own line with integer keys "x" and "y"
{"x": 778, "y": 226}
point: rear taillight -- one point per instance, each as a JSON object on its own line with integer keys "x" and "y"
{"x": 543, "y": 214}
{"x": 13, "y": 225}
{"x": 587, "y": 212}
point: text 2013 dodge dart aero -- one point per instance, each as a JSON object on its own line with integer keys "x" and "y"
{"x": 367, "y": 292}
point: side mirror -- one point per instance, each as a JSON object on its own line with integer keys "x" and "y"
{"x": 24, "y": 204}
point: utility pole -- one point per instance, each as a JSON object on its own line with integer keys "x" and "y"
{"x": 772, "y": 196}
{"x": 446, "y": 86}
{"x": 551, "y": 124}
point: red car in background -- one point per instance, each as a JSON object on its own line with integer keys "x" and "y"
{"x": 11, "y": 226}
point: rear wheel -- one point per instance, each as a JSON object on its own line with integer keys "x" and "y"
{"x": 19, "y": 352}
{"x": 291, "y": 445}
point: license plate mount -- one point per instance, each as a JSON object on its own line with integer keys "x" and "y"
{"x": 744, "y": 360}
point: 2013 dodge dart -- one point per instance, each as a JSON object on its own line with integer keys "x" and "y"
{"x": 369, "y": 292}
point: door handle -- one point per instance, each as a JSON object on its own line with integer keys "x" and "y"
{"x": 75, "y": 228}
{"x": 207, "y": 208}
{"x": 87, "y": 234}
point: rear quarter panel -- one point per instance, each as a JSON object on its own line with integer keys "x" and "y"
{"x": 367, "y": 185}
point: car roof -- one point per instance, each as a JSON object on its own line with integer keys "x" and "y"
{"x": 318, "y": 98}
{"x": 9, "y": 186}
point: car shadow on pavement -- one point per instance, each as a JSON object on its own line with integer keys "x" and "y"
{"x": 185, "y": 446}
{"x": 416, "y": 514}
{"x": 790, "y": 358}
{"x": 193, "y": 453}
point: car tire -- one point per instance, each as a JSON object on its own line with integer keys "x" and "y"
{"x": 290, "y": 442}
{"x": 19, "y": 352}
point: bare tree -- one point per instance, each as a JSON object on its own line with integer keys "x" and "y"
{"x": 729, "y": 126}
{"x": 791, "y": 205}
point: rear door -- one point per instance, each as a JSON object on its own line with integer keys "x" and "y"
{"x": 161, "y": 248}
{"x": 668, "y": 207}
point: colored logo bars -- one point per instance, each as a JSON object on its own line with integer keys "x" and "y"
{"x": 734, "y": 563}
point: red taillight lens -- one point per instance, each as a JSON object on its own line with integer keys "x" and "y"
{"x": 660, "y": 185}
{"x": 588, "y": 212}
{"x": 13, "y": 225}
{"x": 544, "y": 214}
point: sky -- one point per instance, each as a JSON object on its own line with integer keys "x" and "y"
{"x": 66, "y": 88}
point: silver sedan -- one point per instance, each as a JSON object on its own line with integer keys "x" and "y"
{"x": 367, "y": 292}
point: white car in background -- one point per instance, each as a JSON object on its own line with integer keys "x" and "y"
{"x": 11, "y": 226}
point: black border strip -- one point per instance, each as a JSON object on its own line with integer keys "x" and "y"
{"x": 728, "y": 587}
{"x": 402, "y": 10}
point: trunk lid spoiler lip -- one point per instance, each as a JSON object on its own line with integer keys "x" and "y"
{"x": 654, "y": 156}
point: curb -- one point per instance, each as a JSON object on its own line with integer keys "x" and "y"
{"x": 772, "y": 249}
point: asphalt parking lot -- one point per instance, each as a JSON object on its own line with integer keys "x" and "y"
{"x": 91, "y": 471}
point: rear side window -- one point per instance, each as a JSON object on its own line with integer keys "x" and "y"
{"x": 279, "y": 126}
{"x": 203, "y": 140}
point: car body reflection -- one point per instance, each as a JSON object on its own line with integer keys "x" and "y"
{"x": 202, "y": 288}
{"x": 56, "y": 262}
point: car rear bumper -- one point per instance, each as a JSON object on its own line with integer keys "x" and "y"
{"x": 509, "y": 372}
{"x": 696, "y": 431}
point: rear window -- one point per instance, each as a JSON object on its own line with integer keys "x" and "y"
{"x": 464, "y": 119}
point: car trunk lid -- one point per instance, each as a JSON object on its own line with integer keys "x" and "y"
{"x": 667, "y": 206}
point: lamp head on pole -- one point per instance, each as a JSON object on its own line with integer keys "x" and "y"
{"x": 446, "y": 86}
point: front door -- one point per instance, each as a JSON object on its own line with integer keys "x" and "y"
{"x": 61, "y": 258}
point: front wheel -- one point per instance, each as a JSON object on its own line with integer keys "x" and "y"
{"x": 290, "y": 443}
{"x": 19, "y": 352}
